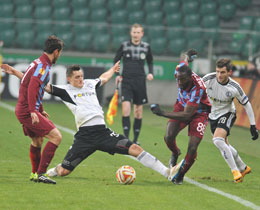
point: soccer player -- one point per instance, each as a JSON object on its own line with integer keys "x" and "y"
{"x": 92, "y": 135}
{"x": 133, "y": 78}
{"x": 191, "y": 108}
{"x": 222, "y": 90}
{"x": 29, "y": 110}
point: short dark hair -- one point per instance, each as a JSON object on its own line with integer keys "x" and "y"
{"x": 71, "y": 69}
{"x": 224, "y": 62}
{"x": 185, "y": 69}
{"x": 52, "y": 43}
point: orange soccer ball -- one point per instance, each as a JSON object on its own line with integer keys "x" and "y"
{"x": 125, "y": 175}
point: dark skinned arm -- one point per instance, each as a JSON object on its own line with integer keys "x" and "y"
{"x": 183, "y": 116}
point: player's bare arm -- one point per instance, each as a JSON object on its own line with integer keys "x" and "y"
{"x": 105, "y": 77}
{"x": 12, "y": 71}
{"x": 183, "y": 116}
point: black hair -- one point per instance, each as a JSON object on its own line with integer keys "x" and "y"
{"x": 52, "y": 43}
{"x": 224, "y": 62}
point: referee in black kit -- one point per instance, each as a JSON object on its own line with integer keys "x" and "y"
{"x": 133, "y": 78}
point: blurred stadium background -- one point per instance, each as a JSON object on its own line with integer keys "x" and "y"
{"x": 214, "y": 27}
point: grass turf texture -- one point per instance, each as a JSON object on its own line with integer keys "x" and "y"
{"x": 93, "y": 184}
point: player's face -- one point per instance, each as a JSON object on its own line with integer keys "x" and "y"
{"x": 56, "y": 55}
{"x": 136, "y": 34}
{"x": 222, "y": 75}
{"x": 184, "y": 81}
{"x": 76, "y": 79}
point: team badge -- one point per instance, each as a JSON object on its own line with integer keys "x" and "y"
{"x": 228, "y": 94}
{"x": 89, "y": 85}
{"x": 142, "y": 56}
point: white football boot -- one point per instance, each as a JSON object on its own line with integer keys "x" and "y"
{"x": 175, "y": 171}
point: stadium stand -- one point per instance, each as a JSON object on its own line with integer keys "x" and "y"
{"x": 43, "y": 12}
{"x": 40, "y": 3}
{"x": 136, "y": 17}
{"x": 82, "y": 41}
{"x": 167, "y": 23}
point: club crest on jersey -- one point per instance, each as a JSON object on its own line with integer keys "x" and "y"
{"x": 90, "y": 85}
{"x": 228, "y": 94}
{"x": 142, "y": 56}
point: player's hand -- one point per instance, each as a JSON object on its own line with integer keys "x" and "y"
{"x": 8, "y": 69}
{"x": 45, "y": 114}
{"x": 254, "y": 132}
{"x": 118, "y": 80}
{"x": 116, "y": 67}
{"x": 190, "y": 55}
{"x": 35, "y": 119}
{"x": 156, "y": 109}
{"x": 149, "y": 77}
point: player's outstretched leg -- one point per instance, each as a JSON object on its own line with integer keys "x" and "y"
{"x": 53, "y": 171}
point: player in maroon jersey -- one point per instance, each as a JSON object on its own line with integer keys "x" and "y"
{"x": 29, "y": 110}
{"x": 191, "y": 108}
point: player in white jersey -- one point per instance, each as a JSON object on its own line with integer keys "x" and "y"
{"x": 92, "y": 135}
{"x": 221, "y": 90}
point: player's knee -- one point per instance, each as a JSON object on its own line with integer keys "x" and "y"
{"x": 135, "y": 150}
{"x": 57, "y": 137}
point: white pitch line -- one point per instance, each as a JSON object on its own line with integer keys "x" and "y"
{"x": 191, "y": 181}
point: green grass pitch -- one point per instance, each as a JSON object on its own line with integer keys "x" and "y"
{"x": 93, "y": 184}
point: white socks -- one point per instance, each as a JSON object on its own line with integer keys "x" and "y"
{"x": 152, "y": 162}
{"x": 225, "y": 152}
{"x": 239, "y": 162}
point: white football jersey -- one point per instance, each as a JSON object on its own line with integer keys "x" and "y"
{"x": 82, "y": 102}
{"x": 221, "y": 96}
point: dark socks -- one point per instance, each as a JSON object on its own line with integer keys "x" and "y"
{"x": 35, "y": 156}
{"x": 47, "y": 156}
{"x": 189, "y": 160}
{"x": 137, "y": 128}
{"x": 126, "y": 125}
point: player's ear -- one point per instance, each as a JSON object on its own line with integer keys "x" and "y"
{"x": 230, "y": 73}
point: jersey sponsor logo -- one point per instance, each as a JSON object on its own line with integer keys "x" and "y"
{"x": 221, "y": 101}
{"x": 79, "y": 95}
{"x": 42, "y": 71}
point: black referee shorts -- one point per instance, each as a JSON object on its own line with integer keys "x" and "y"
{"x": 91, "y": 138}
{"x": 134, "y": 90}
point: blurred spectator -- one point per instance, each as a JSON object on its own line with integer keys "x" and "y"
{"x": 253, "y": 67}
